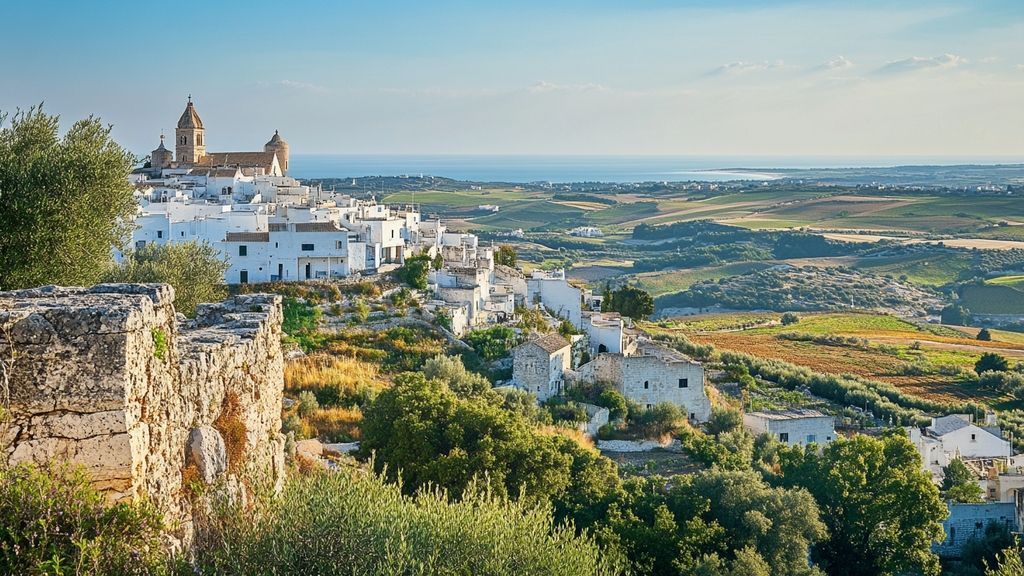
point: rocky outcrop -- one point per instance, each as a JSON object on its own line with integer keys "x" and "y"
{"x": 110, "y": 378}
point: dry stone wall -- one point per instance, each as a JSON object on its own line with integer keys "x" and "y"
{"x": 110, "y": 378}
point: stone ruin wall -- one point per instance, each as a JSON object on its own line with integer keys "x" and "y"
{"x": 110, "y": 378}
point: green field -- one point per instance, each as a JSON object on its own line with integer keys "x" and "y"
{"x": 669, "y": 281}
{"x": 992, "y": 299}
{"x": 930, "y": 270}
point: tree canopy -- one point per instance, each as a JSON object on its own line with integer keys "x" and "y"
{"x": 882, "y": 510}
{"x": 990, "y": 361}
{"x": 65, "y": 201}
{"x": 505, "y": 255}
{"x": 196, "y": 271}
{"x": 631, "y": 301}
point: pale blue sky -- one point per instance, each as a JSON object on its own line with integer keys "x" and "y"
{"x": 535, "y": 77}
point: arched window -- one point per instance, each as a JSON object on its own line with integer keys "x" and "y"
{"x": 182, "y": 140}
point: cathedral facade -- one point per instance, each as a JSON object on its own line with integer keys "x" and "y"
{"x": 190, "y": 151}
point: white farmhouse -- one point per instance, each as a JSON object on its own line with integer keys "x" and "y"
{"x": 539, "y": 366}
{"x": 956, "y": 436}
{"x": 653, "y": 375}
{"x": 795, "y": 427}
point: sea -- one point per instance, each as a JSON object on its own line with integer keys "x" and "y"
{"x": 620, "y": 169}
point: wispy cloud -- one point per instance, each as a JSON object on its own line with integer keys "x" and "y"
{"x": 544, "y": 86}
{"x": 915, "y": 63}
{"x": 838, "y": 63}
{"x": 1020, "y": 67}
{"x": 742, "y": 67}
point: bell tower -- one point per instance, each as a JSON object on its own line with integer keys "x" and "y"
{"x": 190, "y": 138}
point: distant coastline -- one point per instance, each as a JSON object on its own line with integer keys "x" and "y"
{"x": 627, "y": 169}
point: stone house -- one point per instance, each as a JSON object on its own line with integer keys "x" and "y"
{"x": 795, "y": 427}
{"x": 968, "y": 521}
{"x": 540, "y": 366}
{"x": 653, "y": 375}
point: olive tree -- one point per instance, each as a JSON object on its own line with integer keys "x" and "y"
{"x": 65, "y": 200}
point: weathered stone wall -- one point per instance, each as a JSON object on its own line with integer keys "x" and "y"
{"x": 111, "y": 378}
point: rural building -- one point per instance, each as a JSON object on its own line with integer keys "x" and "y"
{"x": 551, "y": 290}
{"x": 607, "y": 332}
{"x": 539, "y": 366}
{"x": 957, "y": 437}
{"x": 795, "y": 427}
{"x": 653, "y": 375}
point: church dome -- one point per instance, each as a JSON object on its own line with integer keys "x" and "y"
{"x": 190, "y": 118}
{"x": 275, "y": 141}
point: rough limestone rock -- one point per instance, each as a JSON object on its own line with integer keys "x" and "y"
{"x": 111, "y": 378}
{"x": 207, "y": 452}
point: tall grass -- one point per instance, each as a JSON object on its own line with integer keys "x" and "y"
{"x": 335, "y": 380}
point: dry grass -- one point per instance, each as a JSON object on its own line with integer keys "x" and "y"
{"x": 336, "y": 424}
{"x": 570, "y": 433}
{"x": 233, "y": 430}
{"x": 344, "y": 374}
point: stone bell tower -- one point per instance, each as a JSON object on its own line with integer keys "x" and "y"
{"x": 190, "y": 139}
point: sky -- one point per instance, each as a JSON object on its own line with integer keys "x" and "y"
{"x": 538, "y": 77}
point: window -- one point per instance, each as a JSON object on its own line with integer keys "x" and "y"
{"x": 243, "y": 250}
{"x": 973, "y": 437}
{"x": 647, "y": 384}
{"x": 783, "y": 436}
{"x": 159, "y": 233}
{"x": 693, "y": 416}
{"x": 811, "y": 438}
{"x": 649, "y": 406}
{"x": 307, "y": 247}
{"x": 182, "y": 233}
{"x": 684, "y": 382}
{"x": 340, "y": 244}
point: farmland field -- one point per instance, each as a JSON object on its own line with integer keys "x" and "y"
{"x": 924, "y": 361}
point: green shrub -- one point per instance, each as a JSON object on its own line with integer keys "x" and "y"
{"x": 350, "y": 523}
{"x": 492, "y": 343}
{"x": 53, "y": 522}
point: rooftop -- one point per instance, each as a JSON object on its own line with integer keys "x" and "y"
{"x": 791, "y": 414}
{"x": 550, "y": 343}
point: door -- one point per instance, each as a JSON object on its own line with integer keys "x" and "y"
{"x": 309, "y": 270}
{"x": 243, "y": 277}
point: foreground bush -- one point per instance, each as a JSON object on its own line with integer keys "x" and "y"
{"x": 354, "y": 523}
{"x": 53, "y": 522}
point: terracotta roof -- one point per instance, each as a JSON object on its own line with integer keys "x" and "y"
{"x": 190, "y": 118}
{"x": 216, "y": 172}
{"x": 550, "y": 343}
{"x": 247, "y": 237}
{"x": 317, "y": 227}
{"x": 244, "y": 159}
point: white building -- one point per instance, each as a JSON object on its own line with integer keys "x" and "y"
{"x": 551, "y": 290}
{"x": 607, "y": 332}
{"x": 539, "y": 366}
{"x": 586, "y": 232}
{"x": 795, "y": 427}
{"x": 957, "y": 437}
{"x": 652, "y": 375}
{"x": 267, "y": 225}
